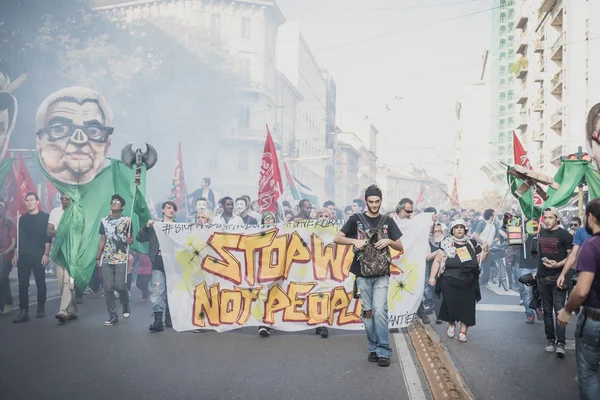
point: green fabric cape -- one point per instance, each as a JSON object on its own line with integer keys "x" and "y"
{"x": 77, "y": 238}
{"x": 5, "y": 166}
{"x": 568, "y": 176}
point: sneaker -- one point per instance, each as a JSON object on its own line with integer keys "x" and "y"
{"x": 117, "y": 295}
{"x": 324, "y": 333}
{"x": 373, "y": 357}
{"x": 62, "y": 319}
{"x": 425, "y": 319}
{"x": 384, "y": 362}
{"x": 112, "y": 321}
{"x": 263, "y": 332}
{"x": 450, "y": 331}
{"x": 428, "y": 310}
{"x": 560, "y": 350}
{"x": 438, "y": 321}
{"x": 126, "y": 311}
{"x": 318, "y": 331}
{"x": 462, "y": 337}
{"x": 550, "y": 346}
{"x": 540, "y": 314}
{"x": 530, "y": 319}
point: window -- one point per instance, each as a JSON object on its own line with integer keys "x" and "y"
{"x": 244, "y": 117}
{"x": 510, "y": 95}
{"x": 246, "y": 28}
{"x": 243, "y": 160}
{"x": 245, "y": 68}
{"x": 215, "y": 26}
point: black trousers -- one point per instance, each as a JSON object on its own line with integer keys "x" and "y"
{"x": 553, "y": 299}
{"x": 5, "y": 295}
{"x": 25, "y": 268}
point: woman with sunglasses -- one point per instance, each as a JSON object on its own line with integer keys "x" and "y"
{"x": 455, "y": 274}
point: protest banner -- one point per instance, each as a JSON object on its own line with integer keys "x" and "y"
{"x": 287, "y": 276}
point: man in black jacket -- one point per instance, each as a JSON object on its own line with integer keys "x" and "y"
{"x": 160, "y": 304}
{"x": 32, "y": 256}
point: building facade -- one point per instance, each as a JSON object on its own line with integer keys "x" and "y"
{"x": 503, "y": 84}
{"x": 558, "y": 68}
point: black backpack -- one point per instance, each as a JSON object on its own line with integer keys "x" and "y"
{"x": 374, "y": 262}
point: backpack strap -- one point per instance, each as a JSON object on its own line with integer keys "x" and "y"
{"x": 382, "y": 221}
{"x": 364, "y": 221}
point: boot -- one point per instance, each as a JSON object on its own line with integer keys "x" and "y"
{"x": 7, "y": 310}
{"x": 157, "y": 326}
{"x": 22, "y": 317}
{"x": 168, "y": 323}
{"x": 41, "y": 311}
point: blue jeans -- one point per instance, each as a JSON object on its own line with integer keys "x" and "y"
{"x": 525, "y": 292}
{"x": 373, "y": 297}
{"x": 428, "y": 292}
{"x": 159, "y": 291}
{"x": 587, "y": 351}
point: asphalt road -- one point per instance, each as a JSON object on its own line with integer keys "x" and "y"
{"x": 84, "y": 359}
{"x": 505, "y": 358}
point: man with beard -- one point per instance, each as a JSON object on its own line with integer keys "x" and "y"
{"x": 587, "y": 293}
{"x": 555, "y": 245}
{"x": 32, "y": 256}
{"x": 373, "y": 290}
{"x": 228, "y": 217}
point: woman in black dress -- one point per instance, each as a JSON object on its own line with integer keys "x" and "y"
{"x": 458, "y": 278}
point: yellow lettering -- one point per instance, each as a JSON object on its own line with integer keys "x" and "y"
{"x": 339, "y": 302}
{"x": 249, "y": 295}
{"x": 298, "y": 252}
{"x": 291, "y": 313}
{"x": 206, "y": 306}
{"x": 272, "y": 260}
{"x": 277, "y": 300}
{"x": 328, "y": 258}
{"x": 250, "y": 244}
{"x": 230, "y": 306}
{"x": 318, "y": 308}
{"x": 227, "y": 266}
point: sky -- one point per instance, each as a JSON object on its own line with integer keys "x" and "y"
{"x": 402, "y": 63}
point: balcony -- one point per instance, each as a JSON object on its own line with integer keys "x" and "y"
{"x": 556, "y": 154}
{"x": 539, "y": 104}
{"x": 557, "y": 14}
{"x": 523, "y": 42}
{"x": 522, "y": 95}
{"x": 537, "y": 136}
{"x": 557, "y": 48}
{"x": 523, "y": 15}
{"x": 547, "y": 5}
{"x": 557, "y": 83}
{"x": 539, "y": 46}
{"x": 557, "y": 120}
{"x": 522, "y": 121}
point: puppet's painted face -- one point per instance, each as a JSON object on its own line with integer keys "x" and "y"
{"x": 240, "y": 206}
{"x": 201, "y": 205}
{"x": 74, "y": 142}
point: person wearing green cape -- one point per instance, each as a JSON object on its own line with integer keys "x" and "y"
{"x": 73, "y": 137}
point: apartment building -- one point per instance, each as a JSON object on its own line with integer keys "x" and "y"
{"x": 556, "y": 65}
{"x": 503, "y": 84}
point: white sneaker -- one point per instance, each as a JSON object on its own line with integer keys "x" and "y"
{"x": 550, "y": 346}
{"x": 117, "y": 294}
{"x": 450, "y": 331}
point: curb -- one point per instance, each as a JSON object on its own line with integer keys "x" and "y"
{"x": 445, "y": 381}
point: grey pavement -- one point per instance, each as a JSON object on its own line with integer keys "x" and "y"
{"x": 504, "y": 358}
{"x": 84, "y": 359}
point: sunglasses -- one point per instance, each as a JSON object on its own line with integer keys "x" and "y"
{"x": 117, "y": 202}
{"x": 407, "y": 211}
{"x": 574, "y": 225}
{"x": 65, "y": 198}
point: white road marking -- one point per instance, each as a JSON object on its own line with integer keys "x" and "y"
{"x": 500, "y": 307}
{"x": 409, "y": 372}
{"x": 502, "y": 292}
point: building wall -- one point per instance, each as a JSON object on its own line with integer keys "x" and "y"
{"x": 502, "y": 83}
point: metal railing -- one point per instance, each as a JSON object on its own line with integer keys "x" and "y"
{"x": 558, "y": 43}
{"x": 557, "y": 116}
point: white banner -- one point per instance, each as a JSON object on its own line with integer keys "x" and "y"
{"x": 288, "y": 276}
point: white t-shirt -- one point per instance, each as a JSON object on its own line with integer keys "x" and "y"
{"x": 234, "y": 220}
{"x": 55, "y": 216}
{"x": 488, "y": 234}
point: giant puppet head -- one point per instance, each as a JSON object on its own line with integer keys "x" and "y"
{"x": 73, "y": 134}
{"x": 593, "y": 134}
{"x": 8, "y": 118}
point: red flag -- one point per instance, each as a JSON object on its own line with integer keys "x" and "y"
{"x": 178, "y": 188}
{"x": 270, "y": 186}
{"x": 421, "y": 199}
{"x": 452, "y": 200}
{"x": 520, "y": 153}
{"x": 18, "y": 184}
{"x": 455, "y": 192}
